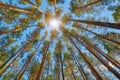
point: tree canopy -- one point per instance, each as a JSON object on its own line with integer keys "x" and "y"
{"x": 59, "y": 39}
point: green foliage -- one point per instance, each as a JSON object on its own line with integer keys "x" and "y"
{"x": 42, "y": 25}
{"x": 67, "y": 56}
{"x": 54, "y": 34}
{"x": 9, "y": 76}
{"x": 14, "y": 49}
{"x": 56, "y": 58}
{"x": 116, "y": 14}
{"x": 3, "y": 56}
{"x": 11, "y": 41}
{"x": 34, "y": 71}
{"x": 48, "y": 16}
{"x": 10, "y": 16}
{"x": 50, "y": 77}
{"x": 39, "y": 2}
{"x": 65, "y": 19}
{"x": 25, "y": 21}
{"x": 58, "y": 12}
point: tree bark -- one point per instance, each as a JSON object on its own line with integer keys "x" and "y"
{"x": 29, "y": 61}
{"x": 101, "y": 36}
{"x": 13, "y": 8}
{"x": 90, "y": 4}
{"x": 71, "y": 69}
{"x": 100, "y": 59}
{"x": 36, "y": 7}
{"x": 98, "y": 23}
{"x": 78, "y": 65}
{"x": 17, "y": 54}
{"x": 95, "y": 73}
{"x": 43, "y": 62}
{"x": 61, "y": 61}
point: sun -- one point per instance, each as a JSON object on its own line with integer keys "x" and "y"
{"x": 54, "y": 24}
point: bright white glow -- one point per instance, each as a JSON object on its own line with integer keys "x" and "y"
{"x": 54, "y": 24}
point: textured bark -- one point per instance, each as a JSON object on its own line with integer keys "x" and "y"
{"x": 11, "y": 31}
{"x": 61, "y": 61}
{"x": 43, "y": 62}
{"x": 100, "y": 59}
{"x": 98, "y": 23}
{"x": 95, "y": 73}
{"x": 55, "y": 3}
{"x": 90, "y": 4}
{"x": 71, "y": 69}
{"x": 29, "y": 61}
{"x": 13, "y": 8}
{"x": 19, "y": 53}
{"x": 79, "y": 67}
{"x": 15, "y": 30}
{"x": 101, "y": 36}
{"x": 36, "y": 7}
{"x": 112, "y": 60}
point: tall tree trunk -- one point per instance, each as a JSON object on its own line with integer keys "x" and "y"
{"x": 55, "y": 3}
{"x": 78, "y": 65}
{"x": 43, "y": 62}
{"x": 61, "y": 61}
{"x": 95, "y": 73}
{"x": 48, "y": 67}
{"x": 58, "y": 68}
{"x": 71, "y": 69}
{"x": 100, "y": 59}
{"x": 17, "y": 54}
{"x": 21, "y": 53}
{"x": 80, "y": 68}
{"x": 90, "y": 4}
{"x": 13, "y": 8}
{"x": 34, "y": 6}
{"x": 98, "y": 23}
{"x": 112, "y": 60}
{"x": 15, "y": 30}
{"x": 11, "y": 31}
{"x": 101, "y": 36}
{"x": 29, "y": 61}
{"x": 102, "y": 73}
{"x": 21, "y": 49}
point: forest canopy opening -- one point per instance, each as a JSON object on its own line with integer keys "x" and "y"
{"x": 54, "y": 24}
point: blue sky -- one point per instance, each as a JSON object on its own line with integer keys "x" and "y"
{"x": 103, "y": 16}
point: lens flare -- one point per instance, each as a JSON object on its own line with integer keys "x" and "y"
{"x": 54, "y": 24}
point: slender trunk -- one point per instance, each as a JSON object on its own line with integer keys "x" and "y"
{"x": 11, "y": 31}
{"x": 55, "y": 3}
{"x": 21, "y": 53}
{"x": 48, "y": 69}
{"x": 21, "y": 49}
{"x": 102, "y": 73}
{"x": 58, "y": 68}
{"x": 98, "y": 23}
{"x": 30, "y": 60}
{"x": 43, "y": 62}
{"x": 17, "y": 55}
{"x": 112, "y": 60}
{"x": 13, "y": 8}
{"x": 90, "y": 4}
{"x": 79, "y": 67}
{"x": 34, "y": 6}
{"x": 15, "y": 30}
{"x": 95, "y": 73}
{"x": 100, "y": 59}
{"x": 101, "y": 36}
{"x": 71, "y": 69}
{"x": 61, "y": 61}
